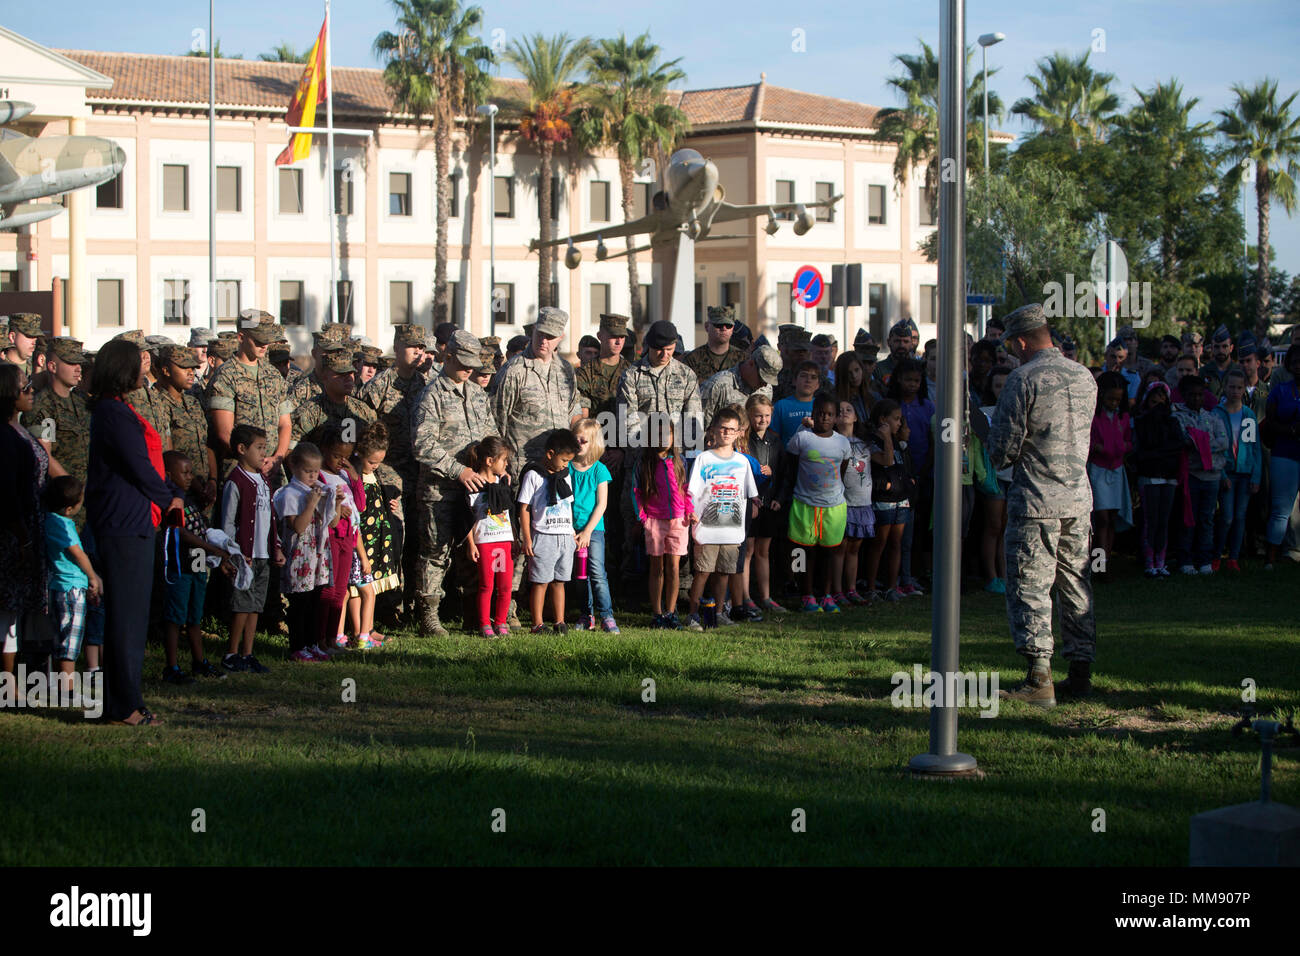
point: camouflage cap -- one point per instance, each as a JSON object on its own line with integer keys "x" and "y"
{"x": 767, "y": 361}
{"x": 279, "y": 352}
{"x": 223, "y": 349}
{"x": 336, "y": 331}
{"x": 409, "y": 336}
{"x": 198, "y": 338}
{"x": 134, "y": 336}
{"x": 259, "y": 326}
{"x": 491, "y": 341}
{"x": 370, "y": 355}
{"x": 722, "y": 315}
{"x": 487, "y": 361}
{"x": 68, "y": 350}
{"x": 25, "y": 323}
{"x": 155, "y": 342}
{"x": 228, "y": 334}
{"x": 1024, "y": 319}
{"x": 528, "y": 329}
{"x": 465, "y": 348}
{"x": 551, "y": 321}
{"x": 1193, "y": 338}
{"x": 798, "y": 340}
{"x": 179, "y": 355}
{"x": 337, "y": 360}
{"x": 783, "y": 332}
{"x": 614, "y": 325}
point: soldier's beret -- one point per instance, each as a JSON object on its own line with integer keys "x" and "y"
{"x": 661, "y": 334}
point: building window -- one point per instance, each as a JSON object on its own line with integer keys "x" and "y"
{"x": 599, "y": 200}
{"x": 108, "y": 293}
{"x": 785, "y": 303}
{"x": 503, "y": 303}
{"x": 227, "y": 301}
{"x": 176, "y": 301}
{"x": 641, "y": 193}
{"x": 875, "y": 205}
{"x": 647, "y": 313}
{"x": 228, "y": 196}
{"x": 699, "y": 303}
{"x": 825, "y": 213}
{"x": 823, "y": 309}
{"x": 109, "y": 195}
{"x": 345, "y": 302}
{"x": 457, "y": 300}
{"x": 731, "y": 296}
{"x": 9, "y": 280}
{"x": 599, "y": 301}
{"x": 176, "y": 188}
{"x": 399, "y": 303}
{"x": 785, "y": 193}
{"x": 453, "y": 194}
{"x": 344, "y": 180}
{"x": 291, "y": 302}
{"x": 557, "y": 198}
{"x": 399, "y": 194}
{"x": 503, "y": 197}
{"x": 929, "y": 203}
{"x": 929, "y": 306}
{"x": 290, "y": 181}
{"x": 877, "y": 300}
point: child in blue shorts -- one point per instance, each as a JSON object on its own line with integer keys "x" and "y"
{"x": 73, "y": 582}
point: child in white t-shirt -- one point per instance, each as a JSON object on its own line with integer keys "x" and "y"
{"x": 860, "y": 520}
{"x": 546, "y": 526}
{"x": 722, "y": 487}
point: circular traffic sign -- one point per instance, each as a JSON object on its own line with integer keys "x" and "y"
{"x": 808, "y": 287}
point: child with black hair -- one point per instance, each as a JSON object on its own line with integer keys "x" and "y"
{"x": 247, "y": 520}
{"x": 664, "y": 510}
{"x": 891, "y": 490}
{"x": 546, "y": 526}
{"x": 72, "y": 581}
{"x": 1206, "y": 449}
{"x": 818, "y": 514}
{"x": 1157, "y": 449}
{"x": 382, "y": 497}
{"x": 491, "y": 538}
{"x": 907, "y": 386}
{"x": 1111, "y": 441}
{"x": 861, "y": 517}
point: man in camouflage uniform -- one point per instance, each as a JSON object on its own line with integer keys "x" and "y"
{"x": 1215, "y": 371}
{"x": 754, "y": 376}
{"x": 248, "y": 390}
{"x": 148, "y": 403}
{"x": 305, "y": 385}
{"x": 335, "y": 403}
{"x": 23, "y": 335}
{"x": 366, "y": 360}
{"x": 1042, "y": 428}
{"x": 598, "y": 380}
{"x": 717, "y": 354}
{"x": 657, "y": 385}
{"x": 220, "y": 351}
{"x": 188, "y": 423}
{"x": 795, "y": 345}
{"x": 451, "y": 416}
{"x": 60, "y": 415}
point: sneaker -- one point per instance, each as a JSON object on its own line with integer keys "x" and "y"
{"x": 873, "y": 595}
{"x": 855, "y": 598}
{"x": 894, "y": 594}
{"x": 539, "y": 629}
{"x": 174, "y": 675}
{"x": 657, "y": 622}
{"x": 1188, "y": 569}
{"x": 316, "y": 651}
{"x": 561, "y": 628}
{"x": 368, "y": 643}
{"x": 488, "y": 632}
{"x": 304, "y": 656}
{"x": 770, "y": 605}
{"x": 233, "y": 662}
{"x": 841, "y": 601}
{"x": 810, "y": 605}
{"x": 1207, "y": 569}
{"x": 829, "y": 606}
{"x": 503, "y": 630}
{"x": 609, "y": 626}
{"x": 910, "y": 590}
{"x": 1164, "y": 572}
{"x": 1214, "y": 565}
{"x": 341, "y": 642}
{"x": 724, "y": 619}
{"x": 254, "y": 665}
{"x": 204, "y": 668}
{"x": 586, "y": 622}
{"x": 1151, "y": 573}
{"x": 1232, "y": 565}
{"x": 996, "y": 586}
{"x": 693, "y": 623}
{"x": 673, "y": 621}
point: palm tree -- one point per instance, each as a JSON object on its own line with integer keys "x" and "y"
{"x": 914, "y": 128}
{"x": 437, "y": 67}
{"x": 1262, "y": 131}
{"x": 549, "y": 66}
{"x": 626, "y": 107}
{"x": 284, "y": 53}
{"x": 1071, "y": 100}
{"x": 216, "y": 52}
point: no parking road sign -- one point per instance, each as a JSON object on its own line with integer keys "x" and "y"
{"x": 808, "y": 287}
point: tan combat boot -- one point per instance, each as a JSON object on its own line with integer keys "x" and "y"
{"x": 430, "y": 626}
{"x": 1036, "y": 689}
{"x": 1079, "y": 683}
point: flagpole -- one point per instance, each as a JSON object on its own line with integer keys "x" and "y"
{"x": 329, "y": 173}
{"x": 212, "y": 174}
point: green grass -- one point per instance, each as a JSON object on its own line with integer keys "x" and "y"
{"x": 749, "y": 724}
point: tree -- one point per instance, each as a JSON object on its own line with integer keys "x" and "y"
{"x": 216, "y": 52}
{"x": 1261, "y": 132}
{"x": 914, "y": 128}
{"x": 626, "y": 107}
{"x": 284, "y": 52}
{"x": 436, "y": 67}
{"x": 549, "y": 66}
{"x": 1071, "y": 103}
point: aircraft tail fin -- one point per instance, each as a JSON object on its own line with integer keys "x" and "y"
{"x": 8, "y": 175}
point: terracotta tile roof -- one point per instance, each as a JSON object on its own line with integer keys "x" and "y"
{"x": 156, "y": 78}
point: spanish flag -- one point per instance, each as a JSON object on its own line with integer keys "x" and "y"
{"x": 302, "y": 108}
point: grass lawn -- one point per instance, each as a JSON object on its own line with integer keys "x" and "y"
{"x": 749, "y": 723}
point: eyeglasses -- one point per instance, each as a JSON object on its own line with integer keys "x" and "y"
{"x": 727, "y": 430}
{"x": 28, "y": 388}
{"x": 583, "y": 441}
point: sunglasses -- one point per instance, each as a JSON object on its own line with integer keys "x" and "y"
{"x": 28, "y": 389}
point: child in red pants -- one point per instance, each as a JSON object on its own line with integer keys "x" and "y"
{"x": 349, "y": 501}
{"x": 492, "y": 534}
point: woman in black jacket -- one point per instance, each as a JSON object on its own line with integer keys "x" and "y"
{"x": 125, "y": 498}
{"x": 1158, "y": 442}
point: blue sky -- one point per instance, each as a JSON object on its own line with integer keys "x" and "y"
{"x": 848, "y": 47}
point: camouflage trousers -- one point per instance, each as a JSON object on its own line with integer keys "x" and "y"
{"x": 1046, "y": 555}
{"x": 437, "y": 508}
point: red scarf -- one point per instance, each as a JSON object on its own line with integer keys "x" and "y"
{"x": 153, "y": 444}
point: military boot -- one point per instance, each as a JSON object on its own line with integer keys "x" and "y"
{"x": 513, "y": 619}
{"x": 1079, "y": 683}
{"x": 1036, "y": 689}
{"x": 430, "y": 626}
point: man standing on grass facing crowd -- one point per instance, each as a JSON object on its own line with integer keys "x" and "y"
{"x": 1042, "y": 428}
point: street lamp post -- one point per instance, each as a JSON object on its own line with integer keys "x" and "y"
{"x": 986, "y": 41}
{"x": 490, "y": 111}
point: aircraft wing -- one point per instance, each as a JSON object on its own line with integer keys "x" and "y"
{"x": 613, "y": 231}
{"x": 728, "y": 212}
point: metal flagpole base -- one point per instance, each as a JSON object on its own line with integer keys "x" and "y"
{"x": 952, "y": 766}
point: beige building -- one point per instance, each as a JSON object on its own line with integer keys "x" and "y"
{"x": 135, "y": 251}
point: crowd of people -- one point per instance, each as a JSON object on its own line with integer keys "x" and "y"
{"x": 327, "y": 494}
